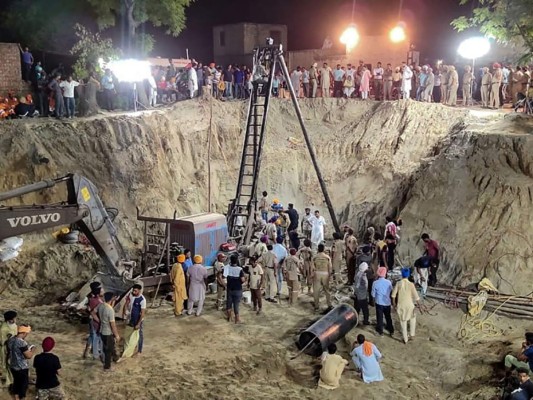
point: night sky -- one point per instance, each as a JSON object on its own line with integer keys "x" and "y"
{"x": 309, "y": 22}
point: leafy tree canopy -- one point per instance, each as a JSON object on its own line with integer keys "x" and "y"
{"x": 507, "y": 21}
{"x": 45, "y": 25}
{"x": 166, "y": 13}
{"x": 89, "y": 48}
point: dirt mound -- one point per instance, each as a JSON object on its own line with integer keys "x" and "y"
{"x": 464, "y": 178}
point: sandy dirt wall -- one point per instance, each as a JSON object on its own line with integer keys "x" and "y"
{"x": 466, "y": 179}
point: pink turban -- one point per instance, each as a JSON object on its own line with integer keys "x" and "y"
{"x": 382, "y": 272}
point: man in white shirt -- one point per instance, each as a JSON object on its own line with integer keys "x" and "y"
{"x": 305, "y": 81}
{"x": 68, "y": 94}
{"x": 338, "y": 80}
{"x": 296, "y": 78}
{"x": 325, "y": 80}
{"x": 378, "y": 81}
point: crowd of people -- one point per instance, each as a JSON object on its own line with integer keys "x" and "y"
{"x": 439, "y": 84}
{"x": 56, "y": 93}
{"x": 290, "y": 248}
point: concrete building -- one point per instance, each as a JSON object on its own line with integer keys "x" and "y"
{"x": 235, "y": 43}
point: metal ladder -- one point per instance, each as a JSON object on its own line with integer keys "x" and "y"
{"x": 245, "y": 202}
{"x": 266, "y": 62}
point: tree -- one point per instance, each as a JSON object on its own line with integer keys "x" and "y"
{"x": 89, "y": 49}
{"x": 508, "y": 21}
{"x": 166, "y": 13}
{"x": 44, "y": 25}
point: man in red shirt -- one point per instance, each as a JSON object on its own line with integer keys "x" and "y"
{"x": 433, "y": 251}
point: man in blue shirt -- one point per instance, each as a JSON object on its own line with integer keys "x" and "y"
{"x": 381, "y": 292}
{"x": 281, "y": 254}
{"x": 108, "y": 85}
{"x": 27, "y": 62}
{"x": 524, "y": 359}
{"x": 238, "y": 77}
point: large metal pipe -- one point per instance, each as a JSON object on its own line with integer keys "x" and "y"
{"x": 328, "y": 329}
{"x": 309, "y": 144}
{"x": 34, "y": 187}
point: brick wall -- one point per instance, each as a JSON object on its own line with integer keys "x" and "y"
{"x": 10, "y": 68}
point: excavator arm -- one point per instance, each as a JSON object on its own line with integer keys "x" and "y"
{"x": 84, "y": 208}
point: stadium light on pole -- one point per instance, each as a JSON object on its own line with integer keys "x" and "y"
{"x": 131, "y": 71}
{"x": 473, "y": 48}
{"x": 397, "y": 34}
{"x": 350, "y": 37}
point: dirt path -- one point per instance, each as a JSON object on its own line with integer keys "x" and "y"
{"x": 208, "y": 358}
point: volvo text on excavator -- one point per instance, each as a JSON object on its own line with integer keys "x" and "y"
{"x": 83, "y": 208}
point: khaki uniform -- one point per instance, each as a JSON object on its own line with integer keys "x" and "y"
{"x": 387, "y": 82}
{"x": 292, "y": 266}
{"x": 313, "y": 80}
{"x": 268, "y": 261}
{"x": 306, "y": 255}
{"x": 485, "y": 89}
{"x": 516, "y": 79}
{"x": 6, "y": 331}
{"x": 325, "y": 76}
{"x": 321, "y": 272}
{"x": 259, "y": 249}
{"x": 495, "y": 88}
{"x": 453, "y": 86}
{"x": 444, "y": 87}
{"x": 221, "y": 290}
{"x": 337, "y": 250}
{"x": 467, "y": 87}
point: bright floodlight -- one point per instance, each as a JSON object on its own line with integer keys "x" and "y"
{"x": 474, "y": 48}
{"x": 397, "y": 34}
{"x": 350, "y": 37}
{"x": 130, "y": 70}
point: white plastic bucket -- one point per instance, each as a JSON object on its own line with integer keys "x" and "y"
{"x": 213, "y": 287}
{"x": 247, "y": 297}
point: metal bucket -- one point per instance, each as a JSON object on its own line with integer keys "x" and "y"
{"x": 328, "y": 329}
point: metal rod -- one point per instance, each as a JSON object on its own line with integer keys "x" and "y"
{"x": 309, "y": 144}
{"x": 34, "y": 187}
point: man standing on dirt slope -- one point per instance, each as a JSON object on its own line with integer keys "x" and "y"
{"x": 381, "y": 292}
{"x": 135, "y": 307}
{"x": 321, "y": 274}
{"x": 404, "y": 296}
{"x": 108, "y": 328}
{"x": 8, "y": 329}
{"x": 432, "y": 250}
{"x": 19, "y": 354}
{"x": 351, "y": 248}
{"x": 235, "y": 277}
{"x": 306, "y": 224}
{"x": 47, "y": 367}
{"x": 197, "y": 285}
{"x": 263, "y": 206}
{"x": 525, "y": 357}
{"x": 317, "y": 233}
{"x": 293, "y": 226}
{"x": 281, "y": 253}
{"x": 292, "y": 269}
{"x": 313, "y": 79}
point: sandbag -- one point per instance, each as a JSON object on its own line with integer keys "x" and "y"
{"x": 8, "y": 254}
{"x": 14, "y": 243}
{"x": 130, "y": 343}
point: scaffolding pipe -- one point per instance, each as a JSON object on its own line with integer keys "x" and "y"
{"x": 309, "y": 144}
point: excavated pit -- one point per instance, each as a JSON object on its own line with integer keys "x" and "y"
{"x": 467, "y": 179}
{"x": 464, "y": 177}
